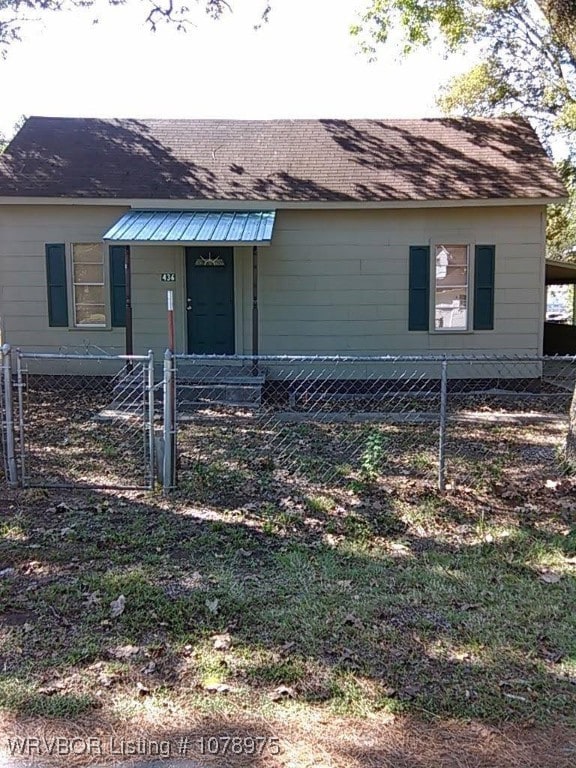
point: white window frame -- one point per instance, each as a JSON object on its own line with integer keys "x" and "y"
{"x": 448, "y": 242}
{"x": 73, "y": 325}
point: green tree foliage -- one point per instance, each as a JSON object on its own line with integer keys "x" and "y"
{"x": 524, "y": 54}
{"x": 525, "y": 62}
{"x": 561, "y": 233}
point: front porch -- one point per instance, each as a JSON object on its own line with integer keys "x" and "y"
{"x": 207, "y": 262}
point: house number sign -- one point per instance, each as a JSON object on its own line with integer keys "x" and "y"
{"x": 168, "y": 277}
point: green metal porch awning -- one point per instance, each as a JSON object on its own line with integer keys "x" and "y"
{"x": 193, "y": 228}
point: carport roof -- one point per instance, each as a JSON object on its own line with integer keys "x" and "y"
{"x": 560, "y": 272}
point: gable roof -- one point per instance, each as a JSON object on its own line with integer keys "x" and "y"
{"x": 278, "y": 160}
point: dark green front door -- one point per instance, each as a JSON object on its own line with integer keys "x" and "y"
{"x": 210, "y": 300}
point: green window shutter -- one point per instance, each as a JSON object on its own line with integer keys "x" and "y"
{"x": 117, "y": 286}
{"x": 419, "y": 288}
{"x": 57, "y": 285}
{"x": 484, "y": 269}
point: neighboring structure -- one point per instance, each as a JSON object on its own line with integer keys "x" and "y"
{"x": 304, "y": 237}
{"x": 560, "y": 325}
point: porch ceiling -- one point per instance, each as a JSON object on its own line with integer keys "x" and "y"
{"x": 560, "y": 272}
{"x": 193, "y": 228}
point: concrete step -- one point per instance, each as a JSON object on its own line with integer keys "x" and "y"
{"x": 221, "y": 380}
{"x": 203, "y": 393}
{"x": 186, "y": 371}
{"x": 198, "y": 384}
{"x": 234, "y": 383}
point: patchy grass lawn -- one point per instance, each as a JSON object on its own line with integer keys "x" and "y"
{"x": 358, "y": 604}
{"x": 306, "y": 584}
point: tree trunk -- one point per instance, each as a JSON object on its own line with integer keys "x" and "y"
{"x": 561, "y": 15}
{"x": 570, "y": 451}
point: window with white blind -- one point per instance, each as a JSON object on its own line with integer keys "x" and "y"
{"x": 88, "y": 285}
{"x": 451, "y": 288}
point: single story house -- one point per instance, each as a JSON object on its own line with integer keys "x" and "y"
{"x": 351, "y": 237}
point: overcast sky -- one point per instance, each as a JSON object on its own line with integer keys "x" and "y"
{"x": 303, "y": 63}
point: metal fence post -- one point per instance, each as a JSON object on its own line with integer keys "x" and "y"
{"x": 169, "y": 426}
{"x": 151, "y": 447}
{"x": 20, "y": 387}
{"x": 442, "y": 432}
{"x": 9, "y": 411}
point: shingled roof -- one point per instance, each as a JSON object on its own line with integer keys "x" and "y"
{"x": 278, "y": 160}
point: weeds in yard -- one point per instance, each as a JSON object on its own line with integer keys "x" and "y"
{"x": 565, "y": 467}
{"x": 423, "y": 462}
{"x": 12, "y": 529}
{"x": 110, "y": 451}
{"x": 320, "y": 504}
{"x": 372, "y": 455}
{"x": 276, "y": 520}
{"x": 356, "y": 528}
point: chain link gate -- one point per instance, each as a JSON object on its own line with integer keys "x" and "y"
{"x": 299, "y": 422}
{"x": 85, "y": 421}
{"x": 8, "y": 447}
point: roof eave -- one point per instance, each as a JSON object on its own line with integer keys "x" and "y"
{"x": 191, "y": 243}
{"x": 197, "y": 204}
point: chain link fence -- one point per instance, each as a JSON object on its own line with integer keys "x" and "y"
{"x": 228, "y": 428}
{"x": 6, "y": 428}
{"x": 326, "y": 422}
{"x": 306, "y": 421}
{"x": 85, "y": 420}
{"x": 507, "y": 421}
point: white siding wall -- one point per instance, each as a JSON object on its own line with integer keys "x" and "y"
{"x": 333, "y": 282}
{"x": 337, "y": 282}
{"x": 149, "y": 307}
{"x": 24, "y": 230}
